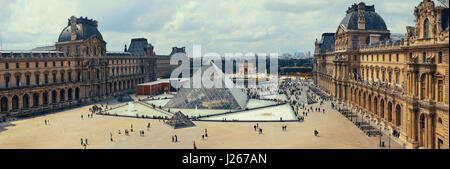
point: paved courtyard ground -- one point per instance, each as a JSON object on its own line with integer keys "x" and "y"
{"x": 67, "y": 128}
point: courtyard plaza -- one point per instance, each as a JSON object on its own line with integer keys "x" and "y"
{"x": 66, "y": 128}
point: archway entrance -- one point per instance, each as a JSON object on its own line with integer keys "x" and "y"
{"x": 15, "y": 103}
{"x": 26, "y": 101}
{"x": 4, "y": 104}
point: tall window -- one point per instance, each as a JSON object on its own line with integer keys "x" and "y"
{"x": 424, "y": 57}
{"x": 17, "y": 66}
{"x": 397, "y": 58}
{"x": 36, "y": 64}
{"x": 68, "y": 51}
{"x": 390, "y": 59}
{"x": 62, "y": 76}
{"x": 69, "y": 76}
{"x": 6, "y": 66}
{"x": 422, "y": 85}
{"x": 6, "y": 81}
{"x": 54, "y": 77}
{"x": 440, "y": 91}
{"x": 17, "y": 81}
{"x": 46, "y": 78}
{"x": 28, "y": 81}
{"x": 397, "y": 74}
{"x": 355, "y": 42}
{"x": 37, "y": 79}
{"x": 426, "y": 28}
{"x": 440, "y": 57}
{"x": 390, "y": 77}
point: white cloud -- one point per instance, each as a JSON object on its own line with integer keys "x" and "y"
{"x": 220, "y": 26}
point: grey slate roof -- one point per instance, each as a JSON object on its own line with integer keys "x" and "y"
{"x": 373, "y": 20}
{"x": 85, "y": 29}
{"x": 327, "y": 42}
{"x": 138, "y": 46}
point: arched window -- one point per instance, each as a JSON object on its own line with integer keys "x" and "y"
{"x": 54, "y": 97}
{"x": 26, "y": 101}
{"x": 426, "y": 28}
{"x": 397, "y": 77}
{"x": 389, "y": 112}
{"x": 35, "y": 100}
{"x": 62, "y": 95}
{"x": 398, "y": 115}
{"x": 15, "y": 103}
{"x": 45, "y": 98}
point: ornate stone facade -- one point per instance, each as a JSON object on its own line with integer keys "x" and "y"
{"x": 401, "y": 84}
{"x": 79, "y": 71}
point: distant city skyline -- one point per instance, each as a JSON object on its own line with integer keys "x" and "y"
{"x": 237, "y": 26}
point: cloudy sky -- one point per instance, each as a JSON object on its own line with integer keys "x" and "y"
{"x": 219, "y": 26}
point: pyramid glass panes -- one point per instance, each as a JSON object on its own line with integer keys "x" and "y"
{"x": 210, "y": 98}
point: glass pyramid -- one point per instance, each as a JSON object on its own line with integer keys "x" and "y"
{"x": 227, "y": 97}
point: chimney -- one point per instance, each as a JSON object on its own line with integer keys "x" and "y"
{"x": 361, "y": 18}
{"x": 73, "y": 28}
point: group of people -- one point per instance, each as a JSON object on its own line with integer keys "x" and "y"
{"x": 256, "y": 127}
{"x": 205, "y": 135}
{"x": 47, "y": 122}
{"x": 174, "y": 139}
{"x": 89, "y": 115}
{"x": 85, "y": 143}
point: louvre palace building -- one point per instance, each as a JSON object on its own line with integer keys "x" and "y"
{"x": 76, "y": 70}
{"x": 401, "y": 83}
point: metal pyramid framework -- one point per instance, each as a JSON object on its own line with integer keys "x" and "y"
{"x": 179, "y": 120}
{"x": 227, "y": 97}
